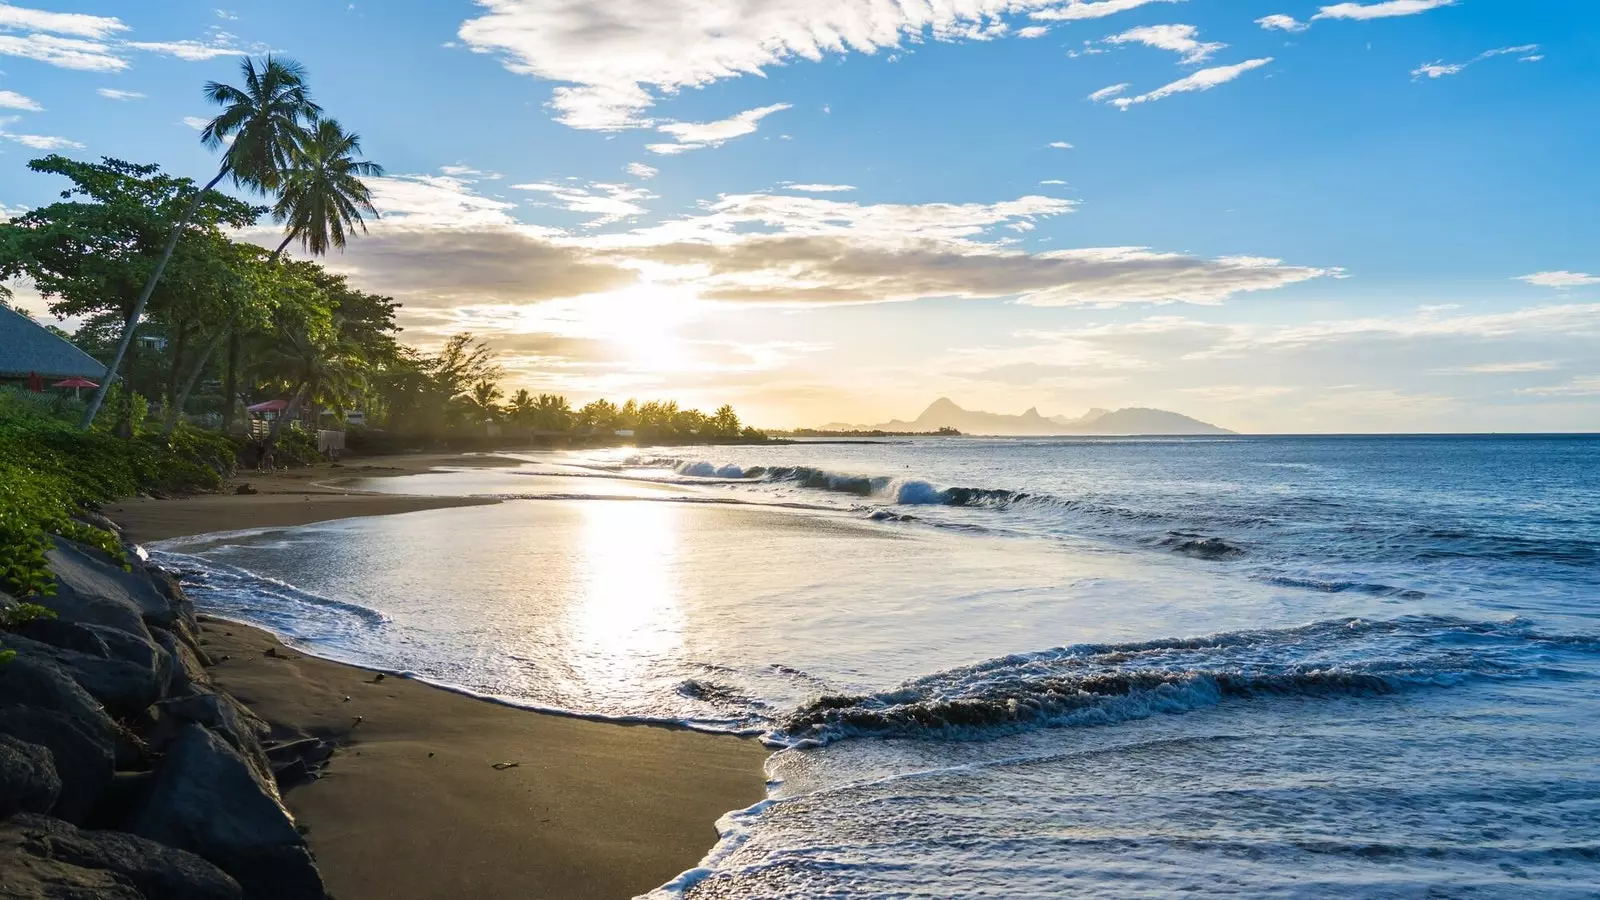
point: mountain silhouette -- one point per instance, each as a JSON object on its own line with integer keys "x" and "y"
{"x": 944, "y": 413}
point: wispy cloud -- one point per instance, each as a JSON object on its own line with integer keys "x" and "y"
{"x": 16, "y": 18}
{"x": 612, "y": 59}
{"x": 1106, "y": 93}
{"x": 1390, "y": 9}
{"x": 198, "y": 123}
{"x": 1280, "y": 22}
{"x": 1203, "y": 80}
{"x": 822, "y": 188}
{"x": 1561, "y": 280}
{"x": 94, "y": 43}
{"x": 115, "y": 94}
{"x": 607, "y": 203}
{"x": 35, "y": 141}
{"x": 640, "y": 170}
{"x": 700, "y": 135}
{"x": 1507, "y": 368}
{"x": 1060, "y": 145}
{"x": 14, "y": 100}
{"x": 1180, "y": 39}
{"x": 1578, "y": 387}
{"x": 1440, "y": 68}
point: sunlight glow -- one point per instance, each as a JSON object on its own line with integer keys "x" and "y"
{"x": 625, "y": 616}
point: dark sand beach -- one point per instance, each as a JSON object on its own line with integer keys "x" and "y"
{"x": 411, "y": 805}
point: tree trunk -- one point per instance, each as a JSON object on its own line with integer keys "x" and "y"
{"x": 230, "y": 383}
{"x": 283, "y": 417}
{"x": 144, "y": 299}
{"x": 182, "y": 400}
{"x": 175, "y": 371}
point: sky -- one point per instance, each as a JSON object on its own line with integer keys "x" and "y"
{"x": 1279, "y": 216}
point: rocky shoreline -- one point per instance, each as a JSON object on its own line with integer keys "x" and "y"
{"x": 124, "y": 771}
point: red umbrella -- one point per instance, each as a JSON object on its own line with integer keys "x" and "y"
{"x": 77, "y": 383}
{"x": 270, "y": 406}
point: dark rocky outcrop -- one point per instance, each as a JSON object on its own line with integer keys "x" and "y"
{"x": 83, "y": 759}
{"x": 255, "y": 841}
{"x": 28, "y": 780}
{"x": 58, "y": 859}
{"x": 109, "y": 720}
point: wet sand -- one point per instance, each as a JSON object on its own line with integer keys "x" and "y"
{"x": 411, "y": 807}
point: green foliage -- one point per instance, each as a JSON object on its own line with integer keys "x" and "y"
{"x": 50, "y": 471}
{"x": 23, "y": 613}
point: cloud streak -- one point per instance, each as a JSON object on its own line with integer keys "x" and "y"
{"x": 700, "y": 135}
{"x": 1180, "y": 39}
{"x": 1203, "y": 80}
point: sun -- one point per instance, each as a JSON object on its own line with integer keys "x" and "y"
{"x": 642, "y": 323}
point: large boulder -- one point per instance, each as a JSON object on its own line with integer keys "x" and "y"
{"x": 229, "y": 720}
{"x": 28, "y": 780}
{"x": 207, "y": 799}
{"x": 126, "y": 687}
{"x": 155, "y": 872}
{"x": 39, "y": 683}
{"x": 91, "y": 587}
{"x": 187, "y": 666}
{"x": 83, "y": 759}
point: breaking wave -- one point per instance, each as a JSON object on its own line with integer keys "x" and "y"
{"x": 1103, "y": 684}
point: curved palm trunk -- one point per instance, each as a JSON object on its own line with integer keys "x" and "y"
{"x": 230, "y": 382}
{"x": 144, "y": 299}
{"x": 288, "y": 413}
{"x": 205, "y": 357}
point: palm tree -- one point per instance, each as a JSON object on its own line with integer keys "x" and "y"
{"x": 484, "y": 398}
{"x": 521, "y": 406}
{"x": 328, "y": 371}
{"x": 321, "y": 199}
{"x": 260, "y": 125}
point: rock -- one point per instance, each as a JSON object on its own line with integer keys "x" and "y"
{"x": 105, "y": 643}
{"x": 41, "y": 684}
{"x": 28, "y": 780}
{"x": 228, "y": 719}
{"x": 68, "y": 635}
{"x": 187, "y": 667}
{"x": 156, "y": 872}
{"x": 125, "y": 688}
{"x": 93, "y": 588}
{"x": 205, "y": 798}
{"x": 83, "y": 760}
{"x": 245, "y": 489}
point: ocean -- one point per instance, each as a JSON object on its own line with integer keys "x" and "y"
{"x": 1111, "y": 668}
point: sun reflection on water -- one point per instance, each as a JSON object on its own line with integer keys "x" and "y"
{"x": 625, "y": 615}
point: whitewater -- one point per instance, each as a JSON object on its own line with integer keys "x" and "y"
{"x": 1264, "y": 667}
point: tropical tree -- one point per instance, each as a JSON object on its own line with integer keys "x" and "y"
{"x": 321, "y": 198}
{"x": 260, "y": 125}
{"x": 521, "y": 406}
{"x": 600, "y": 415}
{"x": 484, "y": 400}
{"x": 552, "y": 413}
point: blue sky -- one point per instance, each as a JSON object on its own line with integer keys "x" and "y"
{"x": 1279, "y": 216}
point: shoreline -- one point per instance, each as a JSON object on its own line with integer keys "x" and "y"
{"x": 411, "y": 804}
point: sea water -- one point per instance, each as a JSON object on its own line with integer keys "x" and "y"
{"x": 1262, "y": 667}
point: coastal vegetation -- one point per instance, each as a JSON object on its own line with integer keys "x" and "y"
{"x": 198, "y": 311}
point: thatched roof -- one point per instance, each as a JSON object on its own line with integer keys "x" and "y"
{"x": 26, "y": 346}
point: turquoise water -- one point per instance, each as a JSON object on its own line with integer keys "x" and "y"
{"x": 1277, "y": 667}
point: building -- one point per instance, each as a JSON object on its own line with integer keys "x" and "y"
{"x": 28, "y": 348}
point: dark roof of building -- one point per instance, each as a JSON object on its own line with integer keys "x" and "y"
{"x": 28, "y": 347}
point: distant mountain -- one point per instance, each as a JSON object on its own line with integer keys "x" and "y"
{"x": 944, "y": 413}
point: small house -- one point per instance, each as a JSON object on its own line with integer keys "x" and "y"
{"x": 28, "y": 349}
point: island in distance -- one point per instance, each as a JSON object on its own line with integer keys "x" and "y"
{"x": 944, "y": 413}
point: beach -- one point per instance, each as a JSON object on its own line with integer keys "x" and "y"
{"x": 412, "y": 805}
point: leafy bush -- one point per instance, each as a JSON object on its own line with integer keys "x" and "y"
{"x": 50, "y": 471}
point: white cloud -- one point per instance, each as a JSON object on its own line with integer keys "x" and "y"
{"x": 62, "y": 52}
{"x": 1440, "y": 69}
{"x": 1280, "y": 22}
{"x": 1180, "y": 39}
{"x": 1033, "y": 31}
{"x": 198, "y": 123}
{"x": 612, "y": 59}
{"x": 1561, "y": 280}
{"x": 1515, "y": 368}
{"x": 608, "y": 203}
{"x": 468, "y": 173}
{"x": 1537, "y": 57}
{"x": 1362, "y": 12}
{"x": 821, "y": 188}
{"x": 640, "y": 170}
{"x": 36, "y": 141}
{"x": 114, "y": 94}
{"x": 1106, "y": 93}
{"x": 14, "y": 100}
{"x": 1053, "y": 181}
{"x": 699, "y": 135}
{"x": 1203, "y": 80}
{"x": 1577, "y": 387}
{"x": 191, "y": 51}
{"x": 16, "y": 18}
{"x": 1060, "y": 145}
